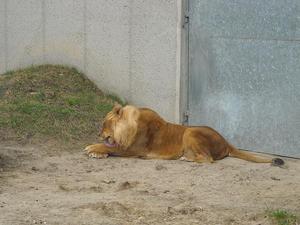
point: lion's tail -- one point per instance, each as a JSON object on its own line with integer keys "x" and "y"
{"x": 237, "y": 153}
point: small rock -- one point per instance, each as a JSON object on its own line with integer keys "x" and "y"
{"x": 108, "y": 181}
{"x": 140, "y": 218}
{"x": 160, "y": 167}
{"x": 184, "y": 210}
{"x": 34, "y": 168}
{"x": 127, "y": 185}
{"x": 274, "y": 178}
{"x": 96, "y": 189}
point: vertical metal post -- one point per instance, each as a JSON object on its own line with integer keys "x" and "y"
{"x": 184, "y": 95}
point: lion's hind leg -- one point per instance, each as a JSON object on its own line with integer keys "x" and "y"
{"x": 195, "y": 156}
{"x": 195, "y": 150}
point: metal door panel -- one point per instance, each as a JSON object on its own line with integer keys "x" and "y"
{"x": 244, "y": 82}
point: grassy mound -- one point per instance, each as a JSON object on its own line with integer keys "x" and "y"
{"x": 44, "y": 102}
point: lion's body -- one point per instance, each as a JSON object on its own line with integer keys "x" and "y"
{"x": 141, "y": 132}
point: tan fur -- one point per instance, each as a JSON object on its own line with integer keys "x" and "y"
{"x": 141, "y": 132}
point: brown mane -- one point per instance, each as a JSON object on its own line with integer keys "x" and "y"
{"x": 124, "y": 125}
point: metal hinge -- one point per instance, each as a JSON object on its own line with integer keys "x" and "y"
{"x": 186, "y": 115}
{"x": 186, "y": 20}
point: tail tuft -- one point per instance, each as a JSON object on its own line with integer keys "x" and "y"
{"x": 277, "y": 162}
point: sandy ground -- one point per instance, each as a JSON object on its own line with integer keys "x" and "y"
{"x": 43, "y": 186}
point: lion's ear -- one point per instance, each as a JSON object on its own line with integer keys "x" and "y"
{"x": 117, "y": 109}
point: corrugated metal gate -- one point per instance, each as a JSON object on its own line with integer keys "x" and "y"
{"x": 244, "y": 72}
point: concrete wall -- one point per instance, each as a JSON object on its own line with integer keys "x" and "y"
{"x": 2, "y": 37}
{"x": 153, "y": 54}
{"x": 127, "y": 47}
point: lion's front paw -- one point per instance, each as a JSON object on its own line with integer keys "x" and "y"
{"x": 93, "y": 152}
{"x": 97, "y": 155}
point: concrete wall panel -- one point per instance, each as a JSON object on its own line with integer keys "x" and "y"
{"x": 107, "y": 48}
{"x": 2, "y": 36}
{"x": 153, "y": 55}
{"x": 24, "y": 33}
{"x": 64, "y": 32}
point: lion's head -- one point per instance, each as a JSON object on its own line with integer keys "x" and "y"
{"x": 120, "y": 126}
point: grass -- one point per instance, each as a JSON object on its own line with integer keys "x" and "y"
{"x": 50, "y": 102}
{"x": 283, "y": 217}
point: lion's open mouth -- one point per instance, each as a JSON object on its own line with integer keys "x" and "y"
{"x": 109, "y": 142}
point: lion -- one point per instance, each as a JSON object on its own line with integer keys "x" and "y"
{"x": 140, "y": 132}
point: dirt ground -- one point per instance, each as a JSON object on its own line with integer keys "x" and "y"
{"x": 39, "y": 185}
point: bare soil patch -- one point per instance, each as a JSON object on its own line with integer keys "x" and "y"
{"x": 45, "y": 185}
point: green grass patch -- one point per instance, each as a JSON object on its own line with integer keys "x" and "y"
{"x": 283, "y": 217}
{"x": 51, "y": 102}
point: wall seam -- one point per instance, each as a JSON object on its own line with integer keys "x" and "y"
{"x": 130, "y": 49}
{"x": 178, "y": 62}
{"x": 85, "y": 36}
{"x": 5, "y": 37}
{"x": 44, "y": 30}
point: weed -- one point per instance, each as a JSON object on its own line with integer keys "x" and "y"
{"x": 283, "y": 217}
